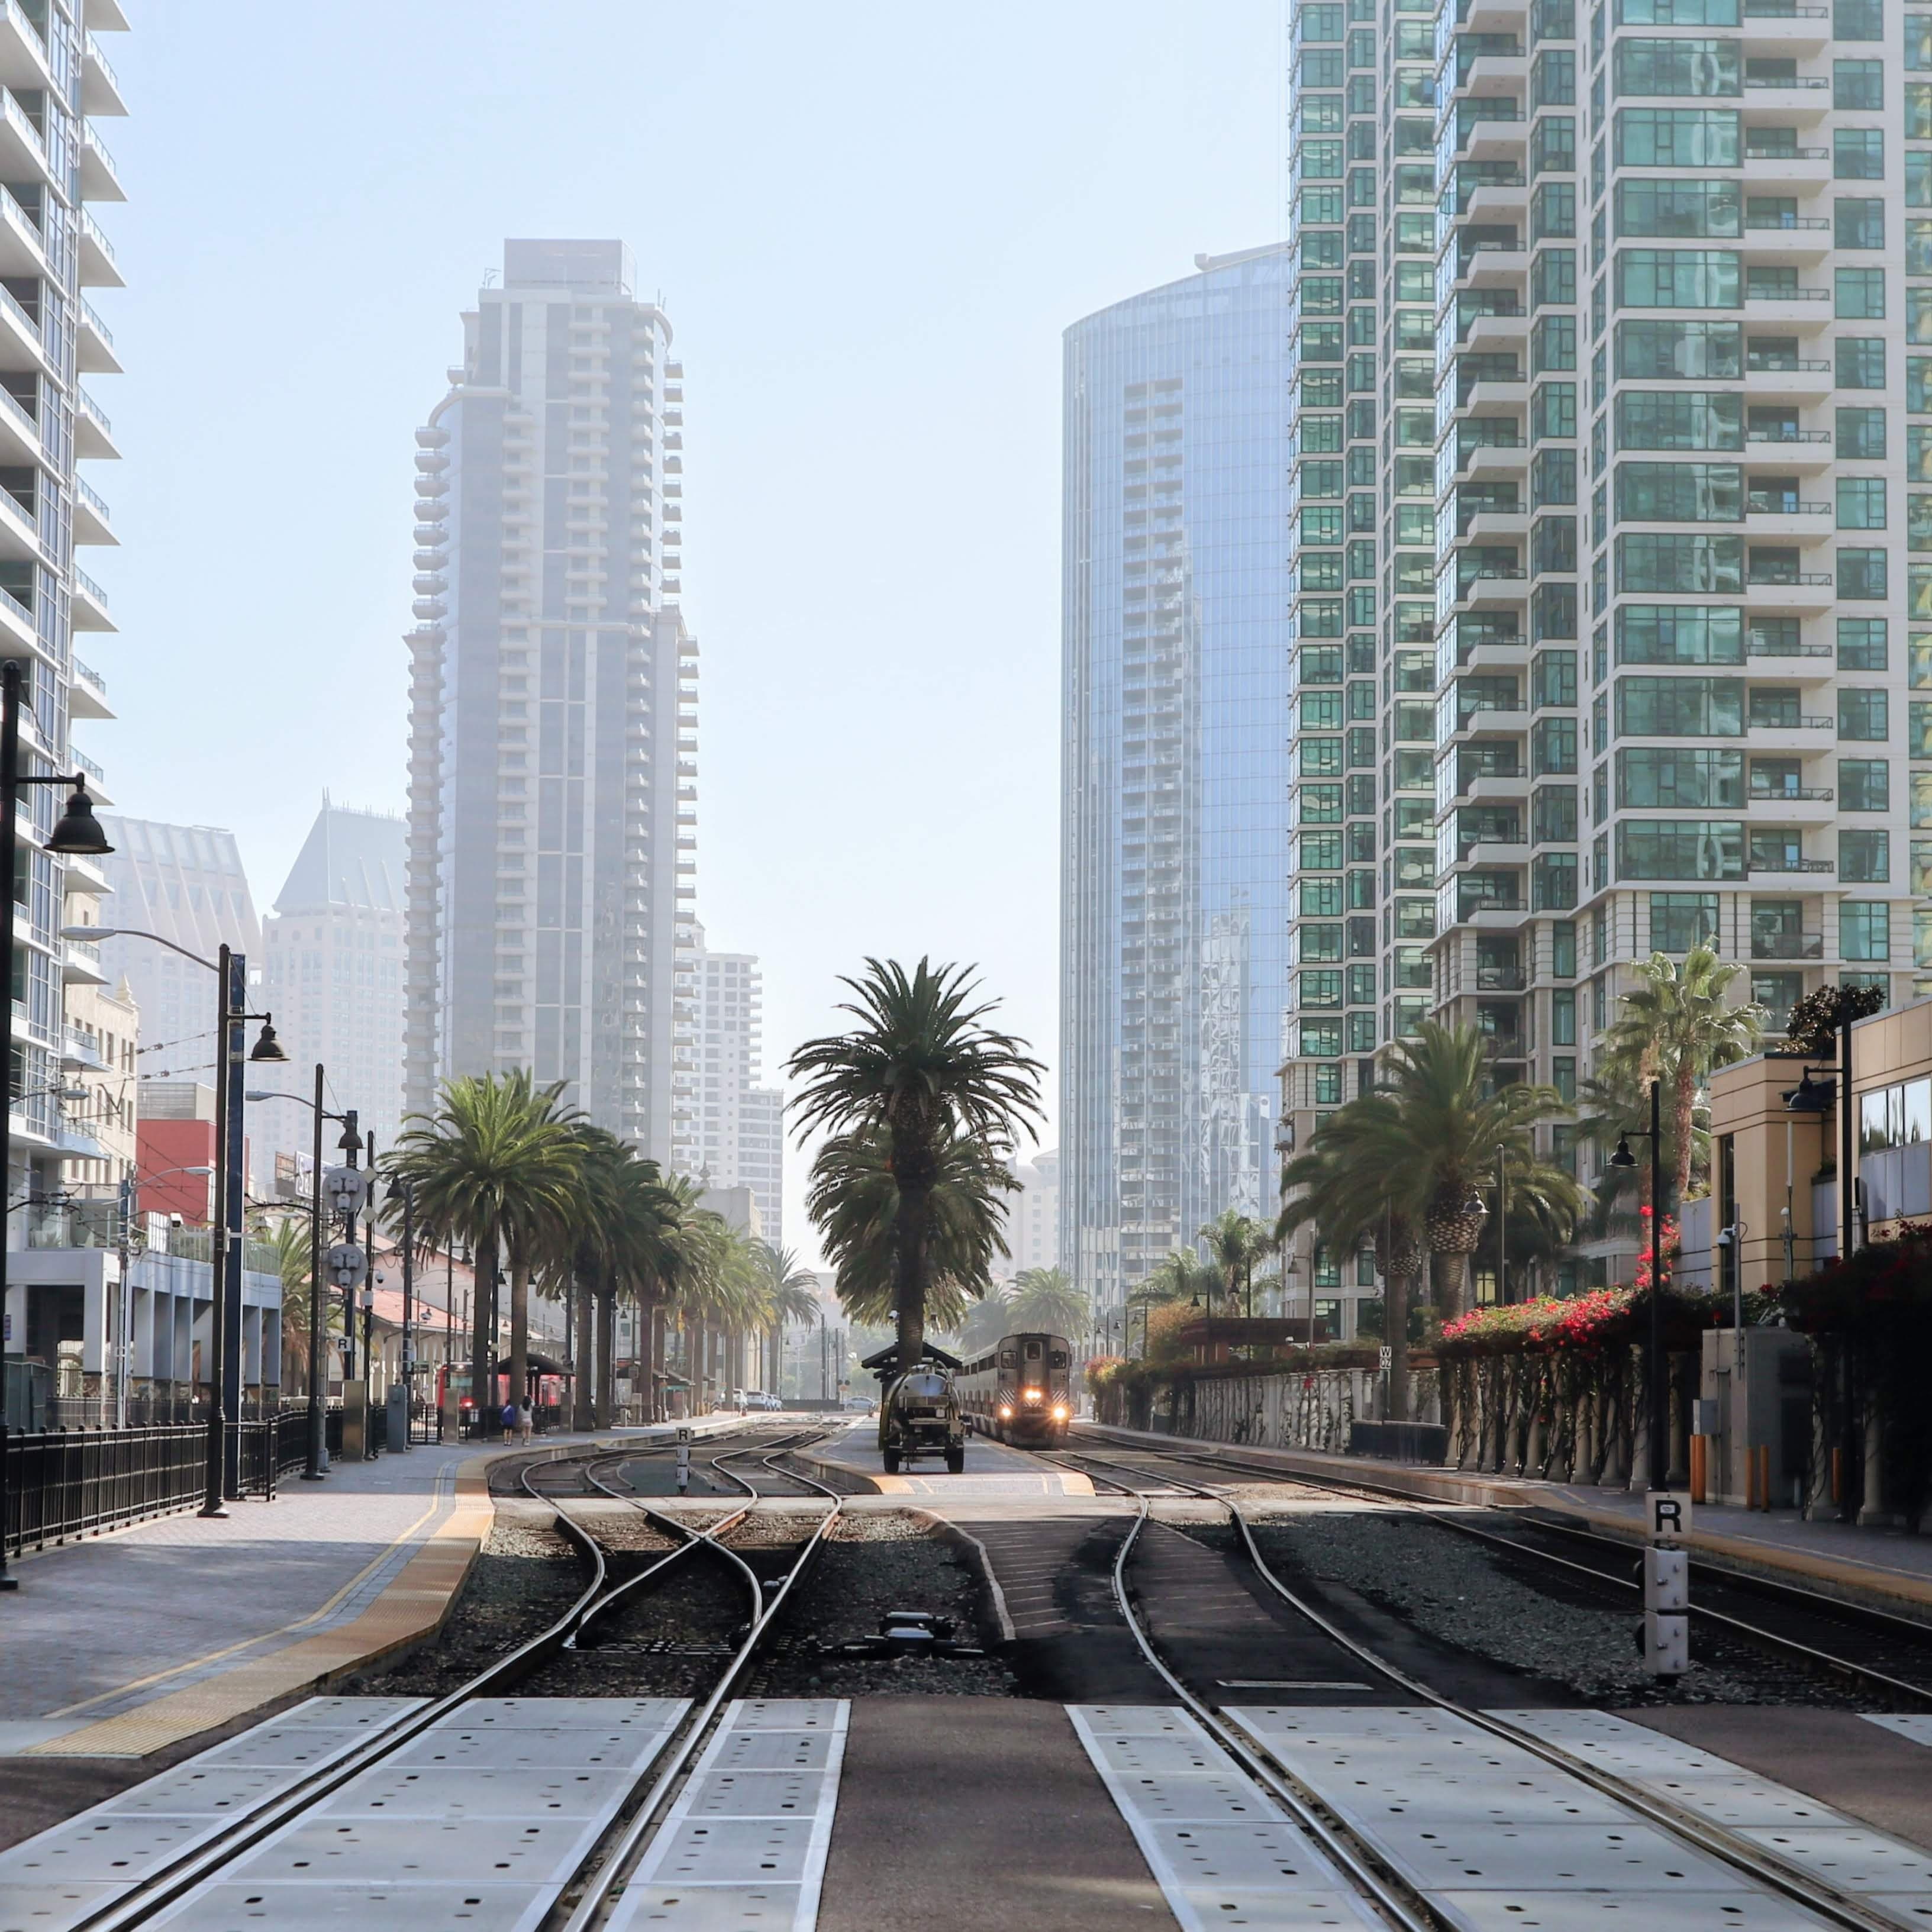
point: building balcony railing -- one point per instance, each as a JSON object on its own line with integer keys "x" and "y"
{"x": 1765, "y": 795}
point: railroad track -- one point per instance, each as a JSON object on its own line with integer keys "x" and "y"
{"x": 599, "y": 1876}
{"x": 1403, "y": 1902}
{"x": 1896, "y": 1662}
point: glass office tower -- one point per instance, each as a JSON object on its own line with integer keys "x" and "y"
{"x": 1678, "y": 280}
{"x": 1174, "y": 829}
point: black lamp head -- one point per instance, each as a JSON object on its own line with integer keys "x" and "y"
{"x": 267, "y": 1047}
{"x": 351, "y": 1141}
{"x": 79, "y": 834}
{"x": 1809, "y": 1096}
{"x": 1623, "y": 1157}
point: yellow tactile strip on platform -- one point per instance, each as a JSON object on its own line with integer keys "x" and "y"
{"x": 409, "y": 1608}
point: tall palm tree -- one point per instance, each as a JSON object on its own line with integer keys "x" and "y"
{"x": 1422, "y": 1144}
{"x": 985, "y": 1321}
{"x": 1338, "y": 1186}
{"x": 496, "y": 1165}
{"x": 1608, "y": 1104}
{"x": 854, "y": 1200}
{"x": 1045, "y": 1300}
{"x": 1676, "y": 1027}
{"x": 1235, "y": 1242}
{"x": 788, "y": 1295}
{"x": 919, "y": 1079}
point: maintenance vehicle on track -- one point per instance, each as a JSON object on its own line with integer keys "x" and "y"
{"x": 919, "y": 1409}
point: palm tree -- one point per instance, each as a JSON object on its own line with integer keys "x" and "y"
{"x": 1235, "y": 1242}
{"x": 1675, "y": 1027}
{"x": 1338, "y": 1187}
{"x": 1607, "y": 1104}
{"x": 1419, "y": 1148}
{"x": 1045, "y": 1299}
{"x": 854, "y": 1200}
{"x": 787, "y": 1295}
{"x": 497, "y": 1166}
{"x": 289, "y": 1239}
{"x": 921, "y": 1078}
{"x": 985, "y": 1321}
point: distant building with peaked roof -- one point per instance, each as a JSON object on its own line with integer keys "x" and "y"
{"x": 332, "y": 977}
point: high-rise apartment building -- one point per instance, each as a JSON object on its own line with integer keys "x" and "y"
{"x": 1176, "y": 781}
{"x": 332, "y": 975}
{"x": 58, "y": 86}
{"x": 1033, "y": 1216}
{"x": 1602, "y": 318}
{"x": 735, "y": 1137}
{"x": 553, "y": 757}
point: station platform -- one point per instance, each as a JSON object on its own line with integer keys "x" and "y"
{"x": 993, "y": 1472}
{"x": 1867, "y": 1560}
{"x": 128, "y": 1643}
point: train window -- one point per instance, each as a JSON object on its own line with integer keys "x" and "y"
{"x": 1059, "y": 1358}
{"x": 1033, "y": 1351}
{"x": 1006, "y": 1358}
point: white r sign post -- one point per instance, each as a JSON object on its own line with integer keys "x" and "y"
{"x": 1666, "y": 1584}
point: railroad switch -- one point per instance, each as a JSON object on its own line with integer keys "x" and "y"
{"x": 908, "y": 1633}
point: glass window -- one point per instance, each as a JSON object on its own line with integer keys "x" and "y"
{"x": 1677, "y": 278}
{"x": 1679, "y": 922}
{"x": 1861, "y": 574}
{"x": 1858, "y": 295}
{"x": 1674, "y": 778}
{"x": 1858, "y": 85}
{"x": 1679, "y": 633}
{"x": 1701, "y": 566}
{"x": 1680, "y": 493}
{"x": 1865, "y": 930}
{"x": 1861, "y": 644}
{"x": 1859, "y": 222}
{"x": 1680, "y": 848}
{"x": 1686, "y": 208}
{"x": 1864, "y": 784}
{"x": 1857, "y": 19}
{"x": 1680, "y": 707}
{"x": 1861, "y": 362}
{"x": 1676, "y": 67}
{"x": 1861, "y": 502}
{"x": 1673, "y": 137}
{"x": 1860, "y": 435}
{"x": 1864, "y": 858}
{"x": 1858, "y": 154}
{"x": 1679, "y": 351}
{"x": 1862, "y": 712}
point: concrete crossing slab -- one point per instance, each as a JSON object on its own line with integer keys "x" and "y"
{"x": 714, "y": 1863}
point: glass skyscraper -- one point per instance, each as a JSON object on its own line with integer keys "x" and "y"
{"x": 1175, "y": 715}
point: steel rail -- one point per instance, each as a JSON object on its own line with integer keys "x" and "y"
{"x": 1839, "y": 1908}
{"x": 1795, "y": 1649}
{"x": 150, "y": 1895}
{"x": 600, "y": 1888}
{"x": 1402, "y": 1911}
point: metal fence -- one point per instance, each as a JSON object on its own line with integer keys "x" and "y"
{"x": 63, "y": 1484}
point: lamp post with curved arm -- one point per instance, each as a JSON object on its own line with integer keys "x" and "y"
{"x": 230, "y": 969}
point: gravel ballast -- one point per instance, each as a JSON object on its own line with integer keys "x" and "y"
{"x": 1458, "y": 1592}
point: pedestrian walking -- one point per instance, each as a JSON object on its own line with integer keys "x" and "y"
{"x": 510, "y": 1419}
{"x": 526, "y": 1421}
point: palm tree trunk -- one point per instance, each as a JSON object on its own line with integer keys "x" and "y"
{"x": 1450, "y": 1273}
{"x": 1683, "y": 1101}
{"x": 585, "y": 1360}
{"x": 909, "y": 1231}
{"x": 482, "y": 1357}
{"x": 1395, "y": 1326}
{"x": 520, "y": 1333}
{"x": 607, "y": 1324}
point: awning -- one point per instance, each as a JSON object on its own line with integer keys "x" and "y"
{"x": 537, "y": 1365}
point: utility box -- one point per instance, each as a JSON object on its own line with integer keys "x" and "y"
{"x": 399, "y": 1418}
{"x": 355, "y": 1421}
{"x": 1762, "y": 1403}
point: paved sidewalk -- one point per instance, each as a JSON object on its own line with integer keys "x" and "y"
{"x": 1886, "y": 1562}
{"x": 126, "y": 1644}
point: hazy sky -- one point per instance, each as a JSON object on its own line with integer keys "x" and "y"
{"x": 869, "y": 224}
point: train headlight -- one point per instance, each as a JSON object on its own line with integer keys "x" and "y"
{"x": 1033, "y": 1395}
{"x": 1005, "y": 1412}
{"x": 1060, "y": 1412}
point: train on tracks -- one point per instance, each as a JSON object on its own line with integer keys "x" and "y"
{"x": 1021, "y": 1390}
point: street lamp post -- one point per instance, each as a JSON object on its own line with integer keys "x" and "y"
{"x": 230, "y": 969}
{"x": 1667, "y": 1580}
{"x": 78, "y": 834}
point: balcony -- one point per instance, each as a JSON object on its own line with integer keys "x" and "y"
{"x": 80, "y": 963}
{"x": 1773, "y": 514}
{"x": 23, "y": 154}
{"x": 93, "y": 433}
{"x": 21, "y": 253}
{"x": 100, "y": 87}
{"x": 97, "y": 267}
{"x": 1789, "y": 866}
{"x": 1800, "y": 171}
{"x": 100, "y": 176}
{"x": 1499, "y": 979}
{"x": 1781, "y": 27}
{"x": 92, "y": 524}
{"x": 91, "y": 609}
{"x": 1787, "y": 945}
{"x": 1806, "y": 593}
{"x": 87, "y": 694}
{"x": 1797, "y": 380}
